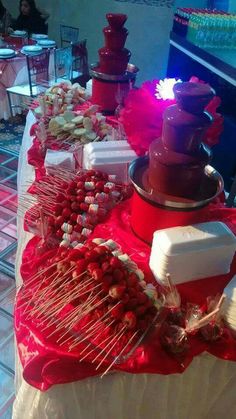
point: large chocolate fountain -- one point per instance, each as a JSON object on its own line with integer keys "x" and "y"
{"x": 113, "y": 76}
{"x": 175, "y": 182}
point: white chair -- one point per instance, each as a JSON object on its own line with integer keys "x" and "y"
{"x": 63, "y": 64}
{"x": 38, "y": 78}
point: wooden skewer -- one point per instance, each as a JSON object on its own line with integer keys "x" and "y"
{"x": 60, "y": 326}
{"x": 119, "y": 336}
{"x": 118, "y": 356}
{"x": 89, "y": 335}
{"x": 104, "y": 349}
{"x": 94, "y": 347}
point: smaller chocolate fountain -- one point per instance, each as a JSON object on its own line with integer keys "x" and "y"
{"x": 175, "y": 182}
{"x": 113, "y": 76}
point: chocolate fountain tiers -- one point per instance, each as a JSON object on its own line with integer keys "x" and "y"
{"x": 178, "y": 159}
{"x": 114, "y": 57}
{"x": 113, "y": 76}
{"x": 175, "y": 182}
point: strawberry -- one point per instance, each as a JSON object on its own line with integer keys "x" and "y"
{"x": 92, "y": 265}
{"x": 74, "y": 254}
{"x": 118, "y": 275}
{"x": 117, "y": 310}
{"x": 142, "y": 298}
{"x": 107, "y": 279}
{"x": 58, "y": 209}
{"x": 125, "y": 298}
{"x": 65, "y": 203}
{"x": 80, "y": 185}
{"x": 60, "y": 197}
{"x": 81, "y": 266}
{"x": 74, "y": 206}
{"x": 132, "y": 292}
{"x": 97, "y": 274}
{"x": 78, "y": 228}
{"x": 133, "y": 302}
{"x": 129, "y": 319}
{"x": 115, "y": 262}
{"x": 84, "y": 207}
{"x": 80, "y": 199}
{"x": 91, "y": 172}
{"x": 106, "y": 267}
{"x": 140, "y": 310}
{"x": 106, "y": 288}
{"x": 66, "y": 213}
{"x": 101, "y": 250}
{"x": 99, "y": 185}
{"x": 132, "y": 279}
{"x": 116, "y": 291}
{"x": 91, "y": 256}
{"x": 73, "y": 217}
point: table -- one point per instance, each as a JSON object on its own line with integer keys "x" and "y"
{"x": 13, "y": 71}
{"x": 205, "y": 390}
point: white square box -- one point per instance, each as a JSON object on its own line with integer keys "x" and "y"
{"x": 192, "y": 252}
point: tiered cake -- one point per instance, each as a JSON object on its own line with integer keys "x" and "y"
{"x": 178, "y": 159}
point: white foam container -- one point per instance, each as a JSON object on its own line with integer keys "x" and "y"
{"x": 192, "y": 252}
{"x": 112, "y": 157}
{"x": 59, "y": 160}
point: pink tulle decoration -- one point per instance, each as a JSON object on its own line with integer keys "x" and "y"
{"x": 142, "y": 117}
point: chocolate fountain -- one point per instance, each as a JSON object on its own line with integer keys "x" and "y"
{"x": 175, "y": 183}
{"x": 113, "y": 76}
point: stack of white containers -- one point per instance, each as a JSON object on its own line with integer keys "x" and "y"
{"x": 192, "y": 252}
{"x": 229, "y": 305}
{"x": 112, "y": 157}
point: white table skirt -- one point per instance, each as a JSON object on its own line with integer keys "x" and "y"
{"x": 206, "y": 390}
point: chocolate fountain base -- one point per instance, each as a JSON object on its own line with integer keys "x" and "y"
{"x": 108, "y": 90}
{"x": 154, "y": 212}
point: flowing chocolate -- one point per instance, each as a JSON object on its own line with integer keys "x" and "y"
{"x": 178, "y": 159}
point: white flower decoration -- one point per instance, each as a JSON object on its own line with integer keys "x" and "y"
{"x": 164, "y": 89}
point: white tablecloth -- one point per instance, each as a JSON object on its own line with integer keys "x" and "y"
{"x": 206, "y": 390}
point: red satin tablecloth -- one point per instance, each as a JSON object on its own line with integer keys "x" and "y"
{"x": 46, "y": 364}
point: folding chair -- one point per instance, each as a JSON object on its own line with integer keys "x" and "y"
{"x": 80, "y": 69}
{"x": 69, "y": 34}
{"x": 63, "y": 63}
{"x": 38, "y": 78}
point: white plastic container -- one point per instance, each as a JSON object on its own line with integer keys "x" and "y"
{"x": 192, "y": 252}
{"x": 63, "y": 160}
{"x": 112, "y": 157}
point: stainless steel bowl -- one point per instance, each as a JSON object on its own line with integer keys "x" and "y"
{"x": 138, "y": 171}
{"x": 130, "y": 73}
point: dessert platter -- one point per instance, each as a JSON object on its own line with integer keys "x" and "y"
{"x": 122, "y": 273}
